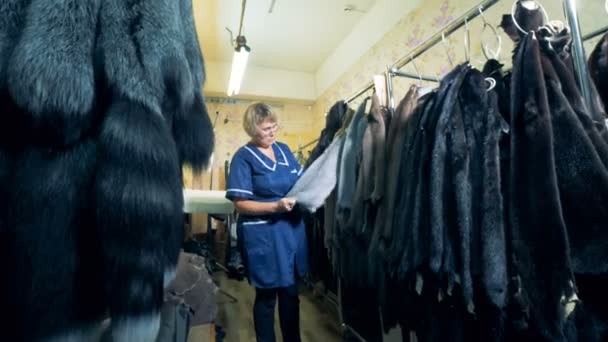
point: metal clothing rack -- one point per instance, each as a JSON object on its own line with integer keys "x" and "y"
{"x": 577, "y": 54}
{"x": 595, "y": 33}
{"x": 429, "y": 43}
{"x": 300, "y": 148}
{"x": 394, "y": 71}
{"x": 390, "y": 73}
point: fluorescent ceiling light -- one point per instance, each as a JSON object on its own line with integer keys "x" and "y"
{"x": 239, "y": 63}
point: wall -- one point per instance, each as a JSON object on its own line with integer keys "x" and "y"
{"x": 374, "y": 24}
{"x": 421, "y": 23}
{"x": 261, "y": 81}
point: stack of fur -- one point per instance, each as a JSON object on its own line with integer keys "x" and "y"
{"x": 100, "y": 105}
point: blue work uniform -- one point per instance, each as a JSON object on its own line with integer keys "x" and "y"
{"x": 274, "y": 246}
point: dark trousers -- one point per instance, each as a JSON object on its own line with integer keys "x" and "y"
{"x": 289, "y": 313}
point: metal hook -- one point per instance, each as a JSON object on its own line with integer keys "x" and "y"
{"x": 447, "y": 51}
{"x": 487, "y": 51}
{"x": 514, "y": 7}
{"x": 467, "y": 41}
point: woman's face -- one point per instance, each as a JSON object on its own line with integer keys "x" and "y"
{"x": 266, "y": 133}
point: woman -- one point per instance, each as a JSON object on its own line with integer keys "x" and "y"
{"x": 272, "y": 235}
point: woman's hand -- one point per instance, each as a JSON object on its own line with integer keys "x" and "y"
{"x": 248, "y": 207}
{"x": 285, "y": 205}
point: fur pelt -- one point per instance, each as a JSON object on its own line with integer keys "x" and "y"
{"x": 492, "y": 241}
{"x": 394, "y": 144}
{"x": 11, "y": 23}
{"x": 459, "y": 160}
{"x": 419, "y": 221}
{"x": 102, "y": 104}
{"x": 347, "y": 164}
{"x": 441, "y": 250}
{"x": 137, "y": 193}
{"x": 395, "y": 233}
{"x": 598, "y": 68}
{"x": 159, "y": 66}
{"x": 333, "y": 122}
{"x": 537, "y": 230}
{"x": 581, "y": 160}
{"x": 51, "y": 73}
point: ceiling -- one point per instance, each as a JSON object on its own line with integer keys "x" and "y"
{"x": 298, "y": 35}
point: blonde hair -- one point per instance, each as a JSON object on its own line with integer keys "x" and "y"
{"x": 255, "y": 114}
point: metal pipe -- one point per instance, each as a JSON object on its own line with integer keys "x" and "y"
{"x": 390, "y": 73}
{"x": 353, "y": 332}
{"x": 308, "y": 144}
{"x": 432, "y": 41}
{"x": 360, "y": 92}
{"x": 344, "y": 325}
{"x": 389, "y": 89}
{"x": 595, "y": 33}
{"x": 578, "y": 51}
{"x": 414, "y": 76}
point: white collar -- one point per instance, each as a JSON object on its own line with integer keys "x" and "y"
{"x": 274, "y": 166}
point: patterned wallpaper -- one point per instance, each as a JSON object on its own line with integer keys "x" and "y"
{"x": 420, "y": 24}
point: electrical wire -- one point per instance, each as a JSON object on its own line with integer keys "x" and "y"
{"x": 242, "y": 17}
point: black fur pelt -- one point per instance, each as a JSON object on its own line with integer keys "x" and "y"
{"x": 443, "y": 205}
{"x": 333, "y": 122}
{"x": 56, "y": 251}
{"x": 598, "y": 68}
{"x": 537, "y": 232}
{"x": 492, "y": 241}
{"x": 582, "y": 178}
{"x": 101, "y": 104}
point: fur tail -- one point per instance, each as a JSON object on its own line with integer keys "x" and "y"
{"x": 194, "y": 135}
{"x": 139, "y": 214}
{"x": 187, "y": 113}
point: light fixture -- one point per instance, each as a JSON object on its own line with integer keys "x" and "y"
{"x": 239, "y": 63}
{"x": 239, "y": 60}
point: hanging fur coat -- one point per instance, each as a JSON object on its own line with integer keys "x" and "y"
{"x": 101, "y": 104}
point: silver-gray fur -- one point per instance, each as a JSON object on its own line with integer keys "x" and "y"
{"x": 105, "y": 97}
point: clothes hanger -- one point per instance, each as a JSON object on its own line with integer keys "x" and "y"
{"x": 417, "y": 73}
{"x": 491, "y": 83}
{"x": 514, "y": 7}
{"x": 487, "y": 51}
{"x": 467, "y": 52}
{"x": 467, "y": 42}
{"x": 447, "y": 51}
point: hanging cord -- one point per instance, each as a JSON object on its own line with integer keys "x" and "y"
{"x": 242, "y": 17}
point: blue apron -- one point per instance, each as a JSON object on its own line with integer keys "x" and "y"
{"x": 274, "y": 246}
